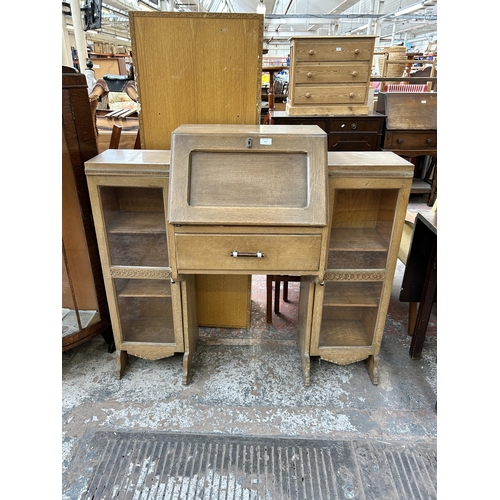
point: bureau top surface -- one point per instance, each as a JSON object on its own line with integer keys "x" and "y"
{"x": 129, "y": 162}
{"x": 147, "y": 162}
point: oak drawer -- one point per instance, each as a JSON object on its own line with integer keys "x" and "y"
{"x": 414, "y": 139}
{"x": 340, "y": 49}
{"x": 332, "y": 73}
{"x": 329, "y": 94}
{"x": 281, "y": 252}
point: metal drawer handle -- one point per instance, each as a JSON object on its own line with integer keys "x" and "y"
{"x": 308, "y": 95}
{"x": 309, "y": 75}
{"x": 311, "y": 52}
{"x": 354, "y": 126}
{"x": 258, "y": 255}
{"x": 429, "y": 141}
{"x": 356, "y": 51}
{"x": 351, "y": 95}
{"x": 354, "y": 73}
{"x": 400, "y": 141}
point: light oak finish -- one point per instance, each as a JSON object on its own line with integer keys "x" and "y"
{"x": 368, "y": 197}
{"x": 198, "y": 67}
{"x": 129, "y": 195}
{"x": 276, "y": 180}
{"x": 195, "y": 68}
{"x": 330, "y": 75}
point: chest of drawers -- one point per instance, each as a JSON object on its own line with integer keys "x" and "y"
{"x": 330, "y": 75}
{"x": 345, "y": 132}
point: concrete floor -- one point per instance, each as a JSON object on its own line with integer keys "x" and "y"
{"x": 256, "y": 389}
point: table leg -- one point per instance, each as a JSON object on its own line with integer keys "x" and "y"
{"x": 425, "y": 308}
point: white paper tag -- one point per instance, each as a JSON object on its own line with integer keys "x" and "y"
{"x": 424, "y": 101}
{"x": 338, "y": 49}
{"x": 266, "y": 141}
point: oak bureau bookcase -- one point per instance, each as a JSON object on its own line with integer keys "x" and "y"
{"x": 249, "y": 199}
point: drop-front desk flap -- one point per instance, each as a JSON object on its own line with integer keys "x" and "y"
{"x": 250, "y": 199}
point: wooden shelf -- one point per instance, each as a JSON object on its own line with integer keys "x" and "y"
{"x": 352, "y": 294}
{"x": 340, "y": 333}
{"x": 148, "y": 330}
{"x": 145, "y": 289}
{"x": 356, "y": 240}
{"x": 137, "y": 222}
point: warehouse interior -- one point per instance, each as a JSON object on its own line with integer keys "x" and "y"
{"x": 249, "y": 384}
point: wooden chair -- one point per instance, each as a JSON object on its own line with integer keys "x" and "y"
{"x": 277, "y": 279}
{"x": 116, "y": 133}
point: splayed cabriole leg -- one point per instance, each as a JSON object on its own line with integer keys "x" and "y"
{"x": 372, "y": 365}
{"x": 121, "y": 363}
{"x": 306, "y": 368}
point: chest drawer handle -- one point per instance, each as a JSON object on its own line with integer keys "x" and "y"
{"x": 356, "y": 51}
{"x": 428, "y": 141}
{"x": 258, "y": 255}
{"x": 308, "y": 95}
{"x": 400, "y": 141}
{"x": 309, "y": 74}
{"x": 354, "y": 126}
{"x": 351, "y": 95}
{"x": 354, "y": 73}
{"x": 311, "y": 52}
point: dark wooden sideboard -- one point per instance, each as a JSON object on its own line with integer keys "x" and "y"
{"x": 345, "y": 132}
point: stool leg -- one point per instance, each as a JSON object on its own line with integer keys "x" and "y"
{"x": 277, "y": 286}
{"x": 285, "y": 291}
{"x": 269, "y": 298}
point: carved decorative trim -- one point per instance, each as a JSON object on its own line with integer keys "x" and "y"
{"x": 362, "y": 275}
{"x": 132, "y": 172}
{"x": 140, "y": 272}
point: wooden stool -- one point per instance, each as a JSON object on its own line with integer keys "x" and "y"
{"x": 277, "y": 278}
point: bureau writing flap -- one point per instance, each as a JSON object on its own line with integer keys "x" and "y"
{"x": 409, "y": 111}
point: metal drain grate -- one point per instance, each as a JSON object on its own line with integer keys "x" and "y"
{"x": 188, "y": 466}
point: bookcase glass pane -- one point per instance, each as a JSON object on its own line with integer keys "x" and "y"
{"x": 361, "y": 228}
{"x": 145, "y": 310}
{"x": 136, "y": 225}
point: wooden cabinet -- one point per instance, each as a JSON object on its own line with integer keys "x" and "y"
{"x": 345, "y": 132}
{"x": 330, "y": 75}
{"x": 84, "y": 309}
{"x": 411, "y": 124}
{"x": 248, "y": 199}
{"x": 129, "y": 195}
{"x": 346, "y": 313}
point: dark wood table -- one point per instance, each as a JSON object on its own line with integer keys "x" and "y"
{"x": 420, "y": 276}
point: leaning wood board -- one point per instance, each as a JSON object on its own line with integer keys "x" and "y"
{"x": 195, "y": 68}
{"x": 199, "y": 68}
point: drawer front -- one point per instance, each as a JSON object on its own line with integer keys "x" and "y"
{"x": 353, "y": 142}
{"x": 283, "y": 252}
{"x": 334, "y": 50}
{"x": 410, "y": 139}
{"x": 329, "y": 94}
{"x": 356, "y": 124}
{"x": 332, "y": 73}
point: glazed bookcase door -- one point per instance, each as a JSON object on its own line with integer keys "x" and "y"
{"x": 145, "y": 304}
{"x": 351, "y": 305}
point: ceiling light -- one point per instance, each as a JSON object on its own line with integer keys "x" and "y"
{"x": 261, "y": 8}
{"x": 413, "y": 8}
